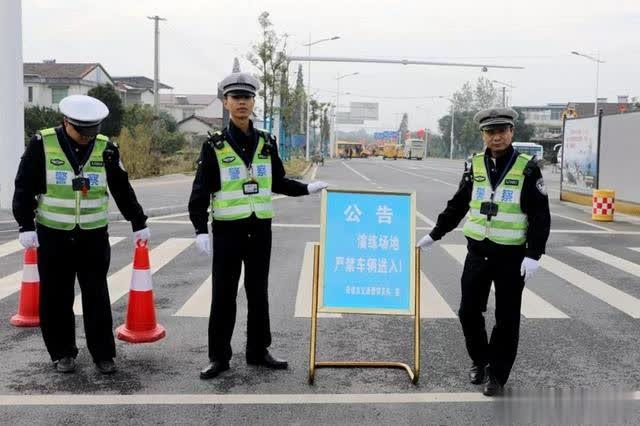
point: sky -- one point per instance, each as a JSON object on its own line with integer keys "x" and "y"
{"x": 200, "y": 39}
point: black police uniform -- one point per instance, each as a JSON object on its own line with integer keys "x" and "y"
{"x": 488, "y": 262}
{"x": 65, "y": 255}
{"x": 235, "y": 242}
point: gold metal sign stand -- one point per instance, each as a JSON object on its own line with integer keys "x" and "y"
{"x": 413, "y": 373}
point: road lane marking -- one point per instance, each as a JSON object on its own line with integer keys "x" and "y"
{"x": 305, "y": 286}
{"x": 425, "y": 219}
{"x": 635, "y": 249}
{"x": 608, "y": 294}
{"x": 314, "y": 172}
{"x": 582, "y": 222}
{"x": 533, "y": 306}
{"x": 616, "y": 262}
{"x": 119, "y": 281}
{"x": 11, "y": 283}
{"x": 10, "y": 248}
{"x": 357, "y": 172}
{"x": 199, "y": 305}
{"x": 421, "y": 176}
{"x": 432, "y": 304}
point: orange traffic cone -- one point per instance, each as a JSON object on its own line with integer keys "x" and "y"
{"x": 140, "y": 325}
{"x": 29, "y": 304}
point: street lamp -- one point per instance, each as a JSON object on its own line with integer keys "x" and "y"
{"x": 598, "y": 62}
{"x": 335, "y": 124}
{"x": 504, "y": 86}
{"x": 309, "y": 81}
{"x": 453, "y": 116}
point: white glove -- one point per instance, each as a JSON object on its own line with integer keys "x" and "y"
{"x": 142, "y": 235}
{"x": 425, "y": 242}
{"x": 316, "y": 186}
{"x": 202, "y": 244}
{"x": 29, "y": 239}
{"x": 528, "y": 268}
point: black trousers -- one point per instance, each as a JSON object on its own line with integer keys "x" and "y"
{"x": 245, "y": 241}
{"x": 480, "y": 270}
{"x": 63, "y": 256}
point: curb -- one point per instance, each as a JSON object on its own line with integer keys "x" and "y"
{"x": 303, "y": 174}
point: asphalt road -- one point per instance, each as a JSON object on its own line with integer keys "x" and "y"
{"x": 578, "y": 360}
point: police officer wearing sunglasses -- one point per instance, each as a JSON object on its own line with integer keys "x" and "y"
{"x": 239, "y": 170}
{"x": 507, "y": 230}
{"x": 61, "y": 204}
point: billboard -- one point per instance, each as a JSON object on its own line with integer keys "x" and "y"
{"x": 580, "y": 155}
{"x": 364, "y": 110}
{"x": 345, "y": 117}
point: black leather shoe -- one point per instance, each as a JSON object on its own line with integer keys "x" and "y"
{"x": 106, "y": 366}
{"x": 213, "y": 370}
{"x": 66, "y": 364}
{"x": 477, "y": 374}
{"x": 268, "y": 361}
{"x": 493, "y": 387}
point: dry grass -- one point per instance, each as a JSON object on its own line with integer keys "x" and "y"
{"x": 295, "y": 167}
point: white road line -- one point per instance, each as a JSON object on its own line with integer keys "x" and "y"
{"x": 10, "y": 248}
{"x": 252, "y": 399}
{"x": 582, "y": 222}
{"x": 425, "y": 219}
{"x": 421, "y": 176}
{"x": 432, "y": 304}
{"x": 616, "y": 262}
{"x": 11, "y": 283}
{"x": 119, "y": 281}
{"x": 356, "y": 172}
{"x": 635, "y": 249}
{"x": 199, "y": 305}
{"x": 305, "y": 286}
{"x": 608, "y": 294}
{"x": 533, "y": 306}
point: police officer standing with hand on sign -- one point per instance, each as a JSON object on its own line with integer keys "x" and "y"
{"x": 239, "y": 169}
{"x": 62, "y": 182}
{"x": 507, "y": 231}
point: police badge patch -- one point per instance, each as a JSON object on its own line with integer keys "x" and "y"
{"x": 541, "y": 187}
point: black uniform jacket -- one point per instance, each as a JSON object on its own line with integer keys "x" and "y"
{"x": 533, "y": 201}
{"x": 207, "y": 180}
{"x": 31, "y": 180}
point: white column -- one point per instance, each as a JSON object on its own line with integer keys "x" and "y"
{"x": 11, "y": 97}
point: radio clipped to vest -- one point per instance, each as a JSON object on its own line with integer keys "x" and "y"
{"x": 216, "y": 139}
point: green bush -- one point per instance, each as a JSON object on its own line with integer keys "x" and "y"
{"x": 38, "y": 118}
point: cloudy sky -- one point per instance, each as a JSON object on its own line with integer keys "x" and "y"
{"x": 201, "y": 37}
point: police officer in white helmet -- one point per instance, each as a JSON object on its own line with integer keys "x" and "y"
{"x": 61, "y": 204}
{"x": 239, "y": 169}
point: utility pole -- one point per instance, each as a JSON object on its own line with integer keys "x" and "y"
{"x": 453, "y": 120}
{"x": 156, "y": 96}
{"x": 12, "y": 99}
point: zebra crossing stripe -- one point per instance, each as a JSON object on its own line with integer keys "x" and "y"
{"x": 425, "y": 219}
{"x": 305, "y": 286}
{"x": 199, "y": 304}
{"x": 432, "y": 304}
{"x": 608, "y": 294}
{"x": 616, "y": 262}
{"x": 160, "y": 256}
{"x": 635, "y": 249}
{"x": 11, "y": 283}
{"x": 533, "y": 306}
{"x": 10, "y": 248}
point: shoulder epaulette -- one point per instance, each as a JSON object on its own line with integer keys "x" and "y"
{"x": 216, "y": 139}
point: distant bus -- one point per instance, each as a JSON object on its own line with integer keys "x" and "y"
{"x": 533, "y": 149}
{"x": 415, "y": 148}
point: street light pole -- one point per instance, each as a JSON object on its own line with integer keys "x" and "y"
{"x": 335, "y": 125}
{"x": 309, "y": 86}
{"x": 598, "y": 62}
{"x": 156, "y": 97}
{"x": 453, "y": 120}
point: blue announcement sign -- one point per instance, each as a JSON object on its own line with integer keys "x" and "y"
{"x": 367, "y": 252}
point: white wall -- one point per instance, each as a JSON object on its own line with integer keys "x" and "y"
{"x": 42, "y": 93}
{"x": 619, "y": 153}
{"x": 213, "y": 110}
{"x": 194, "y": 127}
{"x": 98, "y": 76}
{"x": 11, "y": 101}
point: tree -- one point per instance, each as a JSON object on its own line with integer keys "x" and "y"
{"x": 404, "y": 127}
{"x": 299, "y": 101}
{"x": 522, "y": 132}
{"x": 269, "y": 57}
{"x": 463, "y": 99}
{"x": 485, "y": 95}
{"x": 107, "y": 94}
{"x": 38, "y": 118}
